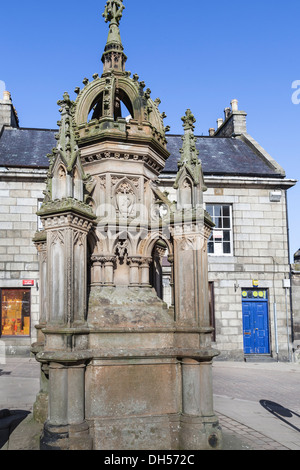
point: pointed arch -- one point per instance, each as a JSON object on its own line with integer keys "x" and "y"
{"x": 59, "y": 181}
{"x": 146, "y": 246}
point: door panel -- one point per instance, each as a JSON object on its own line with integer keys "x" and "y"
{"x": 255, "y": 323}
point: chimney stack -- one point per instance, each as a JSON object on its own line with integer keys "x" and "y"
{"x": 8, "y": 114}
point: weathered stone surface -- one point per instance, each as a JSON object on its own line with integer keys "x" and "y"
{"x": 124, "y": 371}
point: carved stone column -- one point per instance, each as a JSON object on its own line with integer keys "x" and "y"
{"x": 145, "y": 267}
{"x": 97, "y": 270}
{"x": 41, "y": 246}
{"x": 108, "y": 266}
{"x": 171, "y": 261}
{"x": 199, "y": 426}
{"x": 134, "y": 277}
{"x": 66, "y": 427}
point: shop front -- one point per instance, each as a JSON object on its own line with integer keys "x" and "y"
{"x": 15, "y": 312}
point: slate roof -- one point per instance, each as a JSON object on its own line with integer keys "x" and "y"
{"x": 21, "y": 147}
{"x": 26, "y": 147}
{"x": 222, "y": 156}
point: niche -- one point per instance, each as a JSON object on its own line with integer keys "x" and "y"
{"x": 186, "y": 199}
{"x": 59, "y": 183}
{"x": 121, "y": 275}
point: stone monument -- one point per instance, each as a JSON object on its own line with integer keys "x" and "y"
{"x": 120, "y": 369}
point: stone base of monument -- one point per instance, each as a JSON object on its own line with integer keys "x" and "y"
{"x": 170, "y": 432}
{"x": 69, "y": 437}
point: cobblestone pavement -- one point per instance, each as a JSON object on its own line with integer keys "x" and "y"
{"x": 237, "y": 436}
{"x": 259, "y": 404}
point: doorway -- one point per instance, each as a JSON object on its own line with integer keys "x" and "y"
{"x": 255, "y": 321}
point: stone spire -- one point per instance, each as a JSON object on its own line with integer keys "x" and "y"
{"x": 189, "y": 162}
{"x": 113, "y": 57}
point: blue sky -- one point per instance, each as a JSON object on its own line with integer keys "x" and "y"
{"x": 197, "y": 54}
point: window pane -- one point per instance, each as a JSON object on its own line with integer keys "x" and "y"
{"x": 218, "y": 222}
{"x": 15, "y": 312}
{"x": 226, "y": 222}
{"x": 210, "y": 209}
{"x": 210, "y": 247}
{"x": 226, "y": 211}
{"x": 226, "y": 248}
{"x": 218, "y": 211}
{"x": 226, "y": 236}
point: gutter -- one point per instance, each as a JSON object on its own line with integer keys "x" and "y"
{"x": 236, "y": 181}
{"x": 11, "y": 174}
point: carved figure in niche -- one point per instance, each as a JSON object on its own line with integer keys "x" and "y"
{"x": 121, "y": 249}
{"x": 61, "y": 173}
{"x": 186, "y": 184}
{"x": 125, "y": 200}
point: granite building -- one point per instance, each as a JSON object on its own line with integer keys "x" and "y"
{"x": 249, "y": 271}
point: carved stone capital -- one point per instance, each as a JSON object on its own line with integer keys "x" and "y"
{"x": 135, "y": 260}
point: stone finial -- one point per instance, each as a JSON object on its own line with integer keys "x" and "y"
{"x": 189, "y": 153}
{"x": 67, "y": 144}
{"x": 190, "y": 171}
{"x": 113, "y": 11}
{"x": 188, "y": 120}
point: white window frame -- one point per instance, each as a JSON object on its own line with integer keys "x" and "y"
{"x": 219, "y": 230}
{"x": 39, "y": 221}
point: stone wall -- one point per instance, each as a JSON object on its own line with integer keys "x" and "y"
{"x": 20, "y": 190}
{"x": 260, "y": 252}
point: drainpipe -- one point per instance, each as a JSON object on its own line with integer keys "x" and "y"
{"x": 275, "y": 312}
{"x": 289, "y": 261}
{"x": 275, "y": 329}
{"x": 286, "y": 285}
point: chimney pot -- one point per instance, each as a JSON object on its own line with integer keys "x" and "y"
{"x": 6, "y": 96}
{"x": 220, "y": 122}
{"x": 227, "y": 112}
{"x": 211, "y": 131}
{"x": 234, "y": 105}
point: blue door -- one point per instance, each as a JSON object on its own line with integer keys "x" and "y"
{"x": 255, "y": 321}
